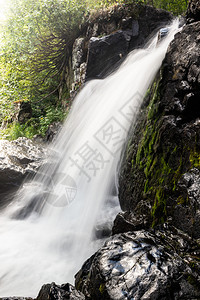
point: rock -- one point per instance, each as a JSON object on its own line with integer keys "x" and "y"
{"x": 23, "y": 112}
{"x": 110, "y": 35}
{"x": 65, "y": 291}
{"x": 187, "y": 211}
{"x": 16, "y": 298}
{"x": 78, "y": 53}
{"x": 105, "y": 52}
{"x": 168, "y": 140}
{"x": 129, "y": 221}
{"x": 52, "y": 131}
{"x": 18, "y": 159}
{"x": 193, "y": 11}
{"x": 136, "y": 265}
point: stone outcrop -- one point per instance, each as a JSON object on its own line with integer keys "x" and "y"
{"x": 56, "y": 292}
{"x": 52, "y": 131}
{"x": 109, "y": 36}
{"x": 127, "y": 28}
{"x": 137, "y": 265}
{"x": 18, "y": 159}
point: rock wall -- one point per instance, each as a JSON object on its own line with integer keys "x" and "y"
{"x": 109, "y": 35}
{"x": 163, "y": 166}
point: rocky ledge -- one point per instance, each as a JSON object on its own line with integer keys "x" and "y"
{"x": 18, "y": 160}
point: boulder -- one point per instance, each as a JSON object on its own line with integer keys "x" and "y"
{"x": 137, "y": 265}
{"x": 18, "y": 159}
{"x": 129, "y": 221}
{"x": 63, "y": 292}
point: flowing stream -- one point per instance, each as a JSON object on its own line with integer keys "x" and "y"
{"x": 53, "y": 224}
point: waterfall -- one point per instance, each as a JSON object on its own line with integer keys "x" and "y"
{"x": 47, "y": 232}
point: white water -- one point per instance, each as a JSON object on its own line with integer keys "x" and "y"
{"x": 53, "y": 240}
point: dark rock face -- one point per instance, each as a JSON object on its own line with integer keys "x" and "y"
{"x": 110, "y": 36}
{"x": 65, "y": 291}
{"x": 16, "y": 298}
{"x": 129, "y": 221}
{"x": 18, "y": 159}
{"x": 23, "y": 112}
{"x": 168, "y": 144}
{"x": 187, "y": 213}
{"x": 193, "y": 11}
{"x": 52, "y": 131}
{"x": 136, "y": 266}
{"x": 135, "y": 27}
{"x": 105, "y": 52}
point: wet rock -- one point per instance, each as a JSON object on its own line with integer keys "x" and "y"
{"x": 168, "y": 140}
{"x": 187, "y": 210}
{"x": 127, "y": 221}
{"x": 16, "y": 298}
{"x": 136, "y": 266}
{"x": 109, "y": 36}
{"x": 65, "y": 291}
{"x": 52, "y": 131}
{"x": 105, "y": 52}
{"x": 18, "y": 159}
{"x": 193, "y": 11}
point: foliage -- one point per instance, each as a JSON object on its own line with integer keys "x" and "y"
{"x": 36, "y": 41}
{"x": 52, "y": 115}
{"x": 16, "y": 130}
{"x": 35, "y": 125}
{"x": 176, "y": 7}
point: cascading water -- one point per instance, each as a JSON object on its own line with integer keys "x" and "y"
{"x": 48, "y": 231}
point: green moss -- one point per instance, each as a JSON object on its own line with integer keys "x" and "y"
{"x": 79, "y": 284}
{"x": 102, "y": 288}
{"x": 159, "y": 208}
{"x": 161, "y": 162}
{"x": 181, "y": 200}
{"x": 156, "y": 161}
{"x": 193, "y": 281}
{"x": 195, "y": 159}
